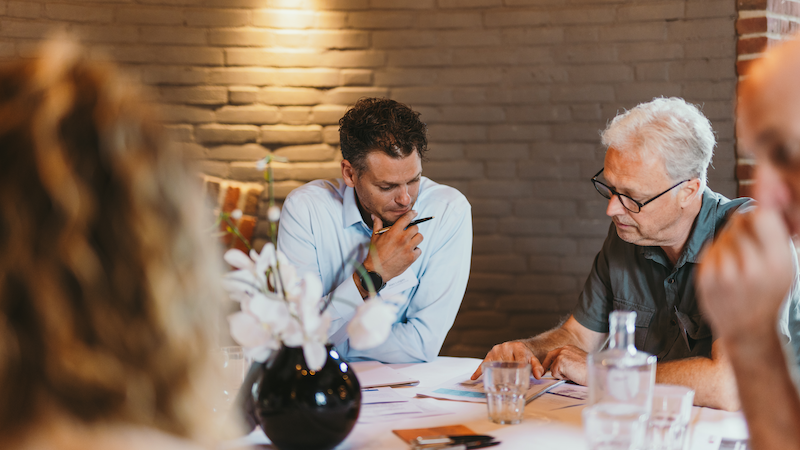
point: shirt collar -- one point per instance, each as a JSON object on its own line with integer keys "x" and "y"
{"x": 703, "y": 227}
{"x": 351, "y": 215}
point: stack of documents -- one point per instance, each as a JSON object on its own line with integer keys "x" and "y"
{"x": 384, "y": 404}
{"x": 372, "y": 374}
{"x": 467, "y": 390}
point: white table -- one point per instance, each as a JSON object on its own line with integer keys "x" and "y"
{"x": 559, "y": 429}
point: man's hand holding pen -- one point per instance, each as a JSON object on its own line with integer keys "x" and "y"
{"x": 393, "y": 251}
{"x": 416, "y": 222}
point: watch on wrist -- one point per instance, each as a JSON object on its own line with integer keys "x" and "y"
{"x": 375, "y": 277}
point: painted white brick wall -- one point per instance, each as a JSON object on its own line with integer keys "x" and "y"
{"x": 514, "y": 92}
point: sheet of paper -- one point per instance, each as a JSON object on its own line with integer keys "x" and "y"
{"x": 376, "y": 374}
{"x": 463, "y": 389}
{"x": 381, "y": 395}
{"x": 571, "y": 390}
{"x": 384, "y": 409}
{"x": 385, "y": 412}
{"x": 400, "y": 283}
{"x": 552, "y": 402}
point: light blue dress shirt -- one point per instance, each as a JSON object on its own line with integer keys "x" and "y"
{"x": 321, "y": 231}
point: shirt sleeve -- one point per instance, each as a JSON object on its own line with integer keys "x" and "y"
{"x": 433, "y": 307}
{"x": 296, "y": 241}
{"x": 596, "y": 300}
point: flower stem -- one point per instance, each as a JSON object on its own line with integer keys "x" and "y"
{"x": 235, "y": 230}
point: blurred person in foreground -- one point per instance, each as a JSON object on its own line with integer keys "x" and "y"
{"x": 106, "y": 277}
{"x": 662, "y": 214}
{"x": 748, "y": 270}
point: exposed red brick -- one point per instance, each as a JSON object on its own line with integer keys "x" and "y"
{"x": 251, "y": 202}
{"x": 751, "y": 45}
{"x": 228, "y": 205}
{"x": 745, "y": 171}
{"x": 246, "y": 226}
{"x": 746, "y": 190}
{"x": 231, "y": 199}
{"x": 743, "y": 66}
{"x": 750, "y": 5}
{"x": 752, "y": 25}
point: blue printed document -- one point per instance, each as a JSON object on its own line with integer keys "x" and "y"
{"x": 463, "y": 389}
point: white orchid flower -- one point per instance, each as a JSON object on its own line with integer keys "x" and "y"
{"x": 306, "y": 298}
{"x": 278, "y": 306}
{"x": 372, "y": 323}
{"x": 241, "y": 281}
{"x": 251, "y": 334}
{"x": 273, "y": 213}
{"x": 261, "y": 164}
{"x": 272, "y": 312}
{"x": 316, "y": 354}
{"x": 265, "y": 259}
{"x": 292, "y": 335}
{"x": 314, "y": 347}
{"x": 238, "y": 259}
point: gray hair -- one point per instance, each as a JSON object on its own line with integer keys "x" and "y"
{"x": 667, "y": 127}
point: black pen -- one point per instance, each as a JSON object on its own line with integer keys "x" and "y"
{"x": 385, "y": 229}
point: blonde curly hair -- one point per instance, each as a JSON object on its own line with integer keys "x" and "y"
{"x": 106, "y": 276}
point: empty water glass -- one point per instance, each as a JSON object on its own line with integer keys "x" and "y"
{"x": 233, "y": 366}
{"x": 505, "y": 384}
{"x": 615, "y": 426}
{"x": 669, "y": 418}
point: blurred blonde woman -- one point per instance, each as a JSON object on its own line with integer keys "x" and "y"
{"x": 106, "y": 277}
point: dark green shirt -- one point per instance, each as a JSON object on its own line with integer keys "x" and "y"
{"x": 669, "y": 323}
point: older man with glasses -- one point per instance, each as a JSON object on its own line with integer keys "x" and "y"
{"x": 654, "y": 178}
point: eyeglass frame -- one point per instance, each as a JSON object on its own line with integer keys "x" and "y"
{"x": 595, "y": 182}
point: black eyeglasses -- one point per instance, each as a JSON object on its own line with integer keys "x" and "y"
{"x": 629, "y": 203}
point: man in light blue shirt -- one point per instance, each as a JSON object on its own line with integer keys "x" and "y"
{"x": 327, "y": 227}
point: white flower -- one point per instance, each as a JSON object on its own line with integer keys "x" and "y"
{"x": 261, "y": 164}
{"x": 238, "y": 259}
{"x": 236, "y": 214}
{"x": 315, "y": 354}
{"x": 277, "y": 306}
{"x": 251, "y": 334}
{"x": 270, "y": 311}
{"x": 273, "y": 213}
{"x": 372, "y": 323}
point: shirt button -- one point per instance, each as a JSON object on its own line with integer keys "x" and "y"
{"x": 672, "y": 322}
{"x": 671, "y": 280}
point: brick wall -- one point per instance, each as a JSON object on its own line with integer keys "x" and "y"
{"x": 760, "y": 24}
{"x": 514, "y": 92}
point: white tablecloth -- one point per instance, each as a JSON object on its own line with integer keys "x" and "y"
{"x": 560, "y": 429}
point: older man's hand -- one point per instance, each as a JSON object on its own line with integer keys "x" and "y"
{"x": 746, "y": 273}
{"x": 513, "y": 351}
{"x": 567, "y": 363}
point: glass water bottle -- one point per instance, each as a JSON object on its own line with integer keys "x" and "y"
{"x": 621, "y": 381}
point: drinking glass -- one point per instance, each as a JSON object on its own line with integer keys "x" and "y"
{"x": 615, "y": 426}
{"x": 505, "y": 384}
{"x": 669, "y": 419}
{"x": 233, "y": 368}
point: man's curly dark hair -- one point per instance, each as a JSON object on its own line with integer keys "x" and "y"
{"x": 380, "y": 124}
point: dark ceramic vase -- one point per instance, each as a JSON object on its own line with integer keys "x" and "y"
{"x": 300, "y": 409}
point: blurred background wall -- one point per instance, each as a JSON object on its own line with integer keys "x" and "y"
{"x": 514, "y": 92}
